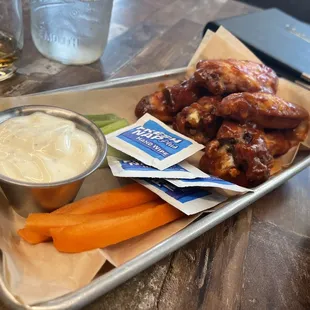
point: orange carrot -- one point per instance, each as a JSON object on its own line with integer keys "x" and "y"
{"x": 101, "y": 233}
{"x": 31, "y": 236}
{"x": 116, "y": 199}
{"x": 43, "y": 222}
{"x": 125, "y": 197}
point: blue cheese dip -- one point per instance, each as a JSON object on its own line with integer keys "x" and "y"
{"x": 40, "y": 148}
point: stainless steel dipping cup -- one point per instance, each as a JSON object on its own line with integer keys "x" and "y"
{"x": 26, "y": 197}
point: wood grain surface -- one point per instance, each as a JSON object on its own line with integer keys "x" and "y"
{"x": 258, "y": 259}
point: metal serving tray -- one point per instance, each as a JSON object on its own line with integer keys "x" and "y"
{"x": 117, "y": 276}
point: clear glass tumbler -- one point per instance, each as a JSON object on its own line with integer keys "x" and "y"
{"x": 11, "y": 36}
{"x": 71, "y": 31}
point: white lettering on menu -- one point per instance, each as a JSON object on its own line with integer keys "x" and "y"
{"x": 40, "y": 148}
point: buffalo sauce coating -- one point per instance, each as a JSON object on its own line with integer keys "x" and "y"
{"x": 40, "y": 148}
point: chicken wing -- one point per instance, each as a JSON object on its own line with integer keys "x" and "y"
{"x": 266, "y": 110}
{"x": 299, "y": 133}
{"x": 210, "y": 102}
{"x": 181, "y": 95}
{"x": 218, "y": 161}
{"x": 239, "y": 154}
{"x": 232, "y": 76}
{"x": 198, "y": 120}
{"x": 254, "y": 160}
{"x": 156, "y": 105}
{"x": 165, "y": 104}
{"x": 278, "y": 142}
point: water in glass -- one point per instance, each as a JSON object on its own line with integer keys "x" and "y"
{"x": 71, "y": 31}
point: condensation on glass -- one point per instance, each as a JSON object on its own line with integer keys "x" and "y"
{"x": 71, "y": 31}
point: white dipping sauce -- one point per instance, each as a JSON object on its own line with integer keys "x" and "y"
{"x": 40, "y": 148}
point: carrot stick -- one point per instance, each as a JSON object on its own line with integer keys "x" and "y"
{"x": 101, "y": 233}
{"x": 31, "y": 236}
{"x": 43, "y": 222}
{"x": 116, "y": 199}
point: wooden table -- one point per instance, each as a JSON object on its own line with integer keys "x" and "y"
{"x": 260, "y": 258}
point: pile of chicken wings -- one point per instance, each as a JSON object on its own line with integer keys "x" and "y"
{"x": 230, "y": 106}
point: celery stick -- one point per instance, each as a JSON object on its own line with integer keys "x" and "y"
{"x": 120, "y": 123}
{"x": 115, "y": 153}
{"x": 114, "y": 126}
{"x": 101, "y": 124}
{"x": 102, "y": 120}
{"x": 102, "y": 117}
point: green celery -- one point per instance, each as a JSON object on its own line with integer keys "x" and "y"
{"x": 102, "y": 117}
{"x": 115, "y": 153}
{"x": 102, "y": 120}
{"x": 114, "y": 126}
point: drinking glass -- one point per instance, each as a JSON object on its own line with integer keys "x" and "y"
{"x": 73, "y": 32}
{"x": 11, "y": 36}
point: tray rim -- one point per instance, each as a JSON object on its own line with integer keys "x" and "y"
{"x": 117, "y": 82}
{"x": 110, "y": 280}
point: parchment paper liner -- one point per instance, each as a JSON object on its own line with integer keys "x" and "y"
{"x": 27, "y": 267}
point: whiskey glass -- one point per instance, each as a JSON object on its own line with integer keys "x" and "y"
{"x": 11, "y": 36}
